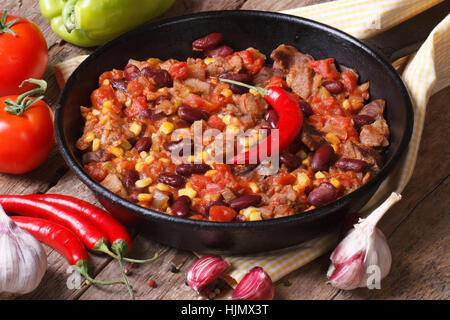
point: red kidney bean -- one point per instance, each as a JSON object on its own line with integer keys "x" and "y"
{"x": 152, "y": 114}
{"x": 291, "y": 161}
{"x": 119, "y": 84}
{"x": 334, "y": 86}
{"x": 241, "y": 77}
{"x": 187, "y": 169}
{"x": 271, "y": 117}
{"x": 322, "y": 195}
{"x": 245, "y": 202}
{"x": 221, "y": 51}
{"x": 160, "y": 77}
{"x": 180, "y": 207}
{"x": 190, "y": 114}
{"x": 131, "y": 72}
{"x": 177, "y": 147}
{"x": 361, "y": 120}
{"x": 162, "y": 98}
{"x": 143, "y": 144}
{"x": 171, "y": 179}
{"x": 348, "y": 164}
{"x": 131, "y": 176}
{"x": 208, "y": 41}
{"x": 306, "y": 108}
{"x": 322, "y": 157}
{"x": 215, "y": 203}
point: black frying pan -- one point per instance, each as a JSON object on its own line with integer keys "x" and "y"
{"x": 171, "y": 38}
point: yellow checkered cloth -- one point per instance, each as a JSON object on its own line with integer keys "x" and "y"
{"x": 427, "y": 72}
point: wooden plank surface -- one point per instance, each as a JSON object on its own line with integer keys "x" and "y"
{"x": 417, "y": 228}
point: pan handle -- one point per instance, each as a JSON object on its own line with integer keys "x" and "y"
{"x": 406, "y": 37}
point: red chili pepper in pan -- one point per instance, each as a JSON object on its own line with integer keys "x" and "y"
{"x": 289, "y": 124}
{"x": 117, "y": 234}
{"x": 61, "y": 239}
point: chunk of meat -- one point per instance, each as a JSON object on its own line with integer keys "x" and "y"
{"x": 250, "y": 106}
{"x": 294, "y": 65}
{"x": 196, "y": 69}
{"x": 198, "y": 86}
{"x": 311, "y": 137}
{"x": 221, "y": 65}
{"x": 97, "y": 156}
{"x": 354, "y": 150}
{"x": 375, "y": 134}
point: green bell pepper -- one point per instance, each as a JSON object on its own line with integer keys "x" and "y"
{"x": 89, "y": 23}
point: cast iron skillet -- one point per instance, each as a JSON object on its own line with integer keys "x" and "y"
{"x": 171, "y": 38}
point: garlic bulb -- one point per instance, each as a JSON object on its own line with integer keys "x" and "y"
{"x": 363, "y": 257}
{"x": 23, "y": 260}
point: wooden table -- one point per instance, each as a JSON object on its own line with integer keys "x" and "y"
{"x": 417, "y": 228}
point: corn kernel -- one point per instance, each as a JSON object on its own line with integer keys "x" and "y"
{"x": 89, "y": 137}
{"x": 95, "y": 112}
{"x": 297, "y": 189}
{"x": 209, "y": 60}
{"x": 319, "y": 175}
{"x": 226, "y": 119}
{"x": 107, "y": 104}
{"x": 210, "y": 173}
{"x": 310, "y": 208}
{"x": 135, "y": 128}
{"x": 254, "y": 187}
{"x": 104, "y": 120}
{"x": 118, "y": 152}
{"x": 248, "y": 211}
{"x": 303, "y": 180}
{"x": 335, "y": 182}
{"x": 335, "y": 147}
{"x": 332, "y": 138}
{"x": 255, "y": 215}
{"x": 162, "y": 187}
{"x": 126, "y": 145}
{"x": 188, "y": 191}
{"x": 139, "y": 166}
{"x": 232, "y": 129}
{"x": 144, "y": 197}
{"x": 167, "y": 127}
{"x": 154, "y": 61}
{"x": 226, "y": 92}
{"x": 254, "y": 92}
{"x": 106, "y": 82}
{"x": 95, "y": 144}
{"x": 143, "y": 154}
{"x": 165, "y": 160}
{"x": 316, "y": 183}
{"x": 149, "y": 159}
{"x": 191, "y": 158}
{"x": 346, "y": 104}
{"x": 128, "y": 102}
{"x": 142, "y": 183}
{"x": 306, "y": 162}
{"x": 202, "y": 156}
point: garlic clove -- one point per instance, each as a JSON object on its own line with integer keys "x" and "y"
{"x": 23, "y": 261}
{"x": 255, "y": 285}
{"x": 205, "y": 270}
{"x": 363, "y": 257}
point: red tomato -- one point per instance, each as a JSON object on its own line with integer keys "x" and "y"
{"x": 285, "y": 178}
{"x": 22, "y": 56}
{"x": 195, "y": 101}
{"x": 327, "y": 106}
{"x": 349, "y": 79}
{"x": 26, "y": 139}
{"x": 325, "y": 68}
{"x": 138, "y": 105}
{"x": 96, "y": 171}
{"x": 221, "y": 213}
{"x": 252, "y": 61}
{"x": 216, "y": 123}
{"x": 179, "y": 70}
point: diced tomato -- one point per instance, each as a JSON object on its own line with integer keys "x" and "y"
{"x": 197, "y": 217}
{"x": 195, "y": 101}
{"x": 253, "y": 60}
{"x": 327, "y": 106}
{"x": 199, "y": 182}
{"x": 114, "y": 74}
{"x": 135, "y": 88}
{"x": 349, "y": 79}
{"x": 216, "y": 123}
{"x": 101, "y": 95}
{"x": 276, "y": 82}
{"x": 284, "y": 178}
{"x": 341, "y": 126}
{"x": 221, "y": 213}
{"x": 179, "y": 70}
{"x": 137, "y": 106}
{"x": 325, "y": 68}
{"x": 96, "y": 171}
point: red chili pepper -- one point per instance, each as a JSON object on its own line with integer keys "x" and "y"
{"x": 116, "y": 233}
{"x": 61, "y": 239}
{"x": 289, "y": 124}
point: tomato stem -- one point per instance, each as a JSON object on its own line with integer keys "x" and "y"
{"x": 6, "y": 27}
{"x": 24, "y": 101}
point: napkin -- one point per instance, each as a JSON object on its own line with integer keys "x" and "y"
{"x": 426, "y": 72}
